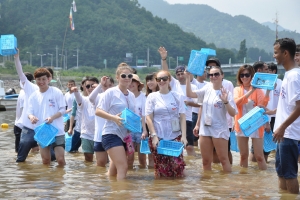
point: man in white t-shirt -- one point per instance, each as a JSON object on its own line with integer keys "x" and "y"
{"x": 287, "y": 122}
{"x": 297, "y": 55}
{"x": 69, "y": 98}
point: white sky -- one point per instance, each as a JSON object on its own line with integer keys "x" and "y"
{"x": 259, "y": 10}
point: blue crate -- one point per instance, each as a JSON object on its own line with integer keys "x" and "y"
{"x": 252, "y": 121}
{"x": 233, "y": 142}
{"x": 131, "y": 121}
{"x": 144, "y": 147}
{"x": 209, "y": 52}
{"x": 197, "y": 62}
{"x": 264, "y": 81}
{"x": 269, "y": 144}
{"x": 170, "y": 148}
{"x": 68, "y": 142}
{"x": 8, "y": 45}
{"x": 45, "y": 134}
{"x": 66, "y": 117}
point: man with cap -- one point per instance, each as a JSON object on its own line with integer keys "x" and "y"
{"x": 189, "y": 102}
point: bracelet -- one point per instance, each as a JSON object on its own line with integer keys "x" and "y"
{"x": 163, "y": 59}
{"x": 226, "y": 102}
{"x": 153, "y": 134}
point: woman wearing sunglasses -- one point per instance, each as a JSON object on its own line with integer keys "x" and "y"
{"x": 246, "y": 97}
{"x": 165, "y": 115}
{"x": 216, "y": 102}
{"x": 110, "y": 106}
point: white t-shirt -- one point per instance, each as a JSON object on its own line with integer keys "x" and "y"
{"x": 140, "y": 102}
{"x": 20, "y": 104}
{"x": 87, "y": 110}
{"x": 199, "y": 86}
{"x": 289, "y": 94}
{"x": 114, "y": 102}
{"x": 28, "y": 88}
{"x": 69, "y": 100}
{"x": 213, "y": 106}
{"x": 188, "y": 109}
{"x": 77, "y": 117}
{"x": 274, "y": 96}
{"x": 99, "y": 122}
{"x": 229, "y": 86}
{"x": 164, "y": 108}
{"x": 46, "y": 104}
{"x": 175, "y": 85}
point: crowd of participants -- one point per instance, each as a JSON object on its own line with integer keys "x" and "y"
{"x": 187, "y": 109}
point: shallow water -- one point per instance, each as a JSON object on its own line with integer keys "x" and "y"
{"x": 81, "y": 180}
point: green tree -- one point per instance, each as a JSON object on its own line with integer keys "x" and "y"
{"x": 242, "y": 53}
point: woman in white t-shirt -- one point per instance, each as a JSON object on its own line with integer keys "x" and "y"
{"x": 162, "y": 108}
{"x": 110, "y": 106}
{"x": 216, "y": 102}
{"x": 136, "y": 87}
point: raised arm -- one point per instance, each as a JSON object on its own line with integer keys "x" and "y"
{"x": 189, "y": 92}
{"x": 241, "y": 100}
{"x": 99, "y": 89}
{"x": 77, "y": 95}
{"x": 19, "y": 69}
{"x": 163, "y": 54}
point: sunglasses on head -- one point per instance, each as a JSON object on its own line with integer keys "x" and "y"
{"x": 88, "y": 86}
{"x": 164, "y": 78}
{"x": 247, "y": 75}
{"x": 126, "y": 75}
{"x": 217, "y": 74}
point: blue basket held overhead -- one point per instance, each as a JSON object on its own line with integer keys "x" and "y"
{"x": 144, "y": 147}
{"x": 253, "y": 120}
{"x": 68, "y": 142}
{"x": 131, "y": 121}
{"x": 269, "y": 144}
{"x": 45, "y": 134}
{"x": 233, "y": 142}
{"x": 170, "y": 148}
{"x": 197, "y": 62}
{"x": 8, "y": 45}
{"x": 209, "y": 52}
{"x": 264, "y": 81}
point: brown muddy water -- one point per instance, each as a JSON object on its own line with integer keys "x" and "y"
{"x": 81, "y": 180}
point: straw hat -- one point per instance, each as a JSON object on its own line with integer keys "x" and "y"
{"x": 136, "y": 78}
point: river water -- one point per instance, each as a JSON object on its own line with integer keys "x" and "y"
{"x": 81, "y": 180}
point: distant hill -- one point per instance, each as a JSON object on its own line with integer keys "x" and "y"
{"x": 216, "y": 27}
{"x": 272, "y": 26}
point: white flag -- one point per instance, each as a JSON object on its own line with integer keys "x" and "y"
{"x": 74, "y": 6}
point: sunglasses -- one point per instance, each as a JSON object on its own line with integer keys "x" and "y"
{"x": 88, "y": 86}
{"x": 164, "y": 78}
{"x": 247, "y": 75}
{"x": 126, "y": 75}
{"x": 217, "y": 74}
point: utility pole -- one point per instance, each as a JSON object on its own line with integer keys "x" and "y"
{"x": 276, "y": 25}
{"x": 56, "y": 48}
{"x": 66, "y": 60}
{"x": 148, "y": 57}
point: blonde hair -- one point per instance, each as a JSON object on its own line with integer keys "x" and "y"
{"x": 121, "y": 67}
{"x": 169, "y": 76}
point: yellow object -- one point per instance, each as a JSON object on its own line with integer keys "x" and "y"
{"x": 4, "y": 125}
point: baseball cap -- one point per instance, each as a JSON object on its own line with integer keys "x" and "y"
{"x": 179, "y": 68}
{"x": 214, "y": 60}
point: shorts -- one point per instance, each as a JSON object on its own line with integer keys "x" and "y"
{"x": 189, "y": 133}
{"x": 228, "y": 142}
{"x": 110, "y": 140}
{"x": 98, "y": 147}
{"x": 59, "y": 142}
{"x": 253, "y": 135}
{"x": 136, "y": 137}
{"x": 287, "y": 158}
{"x": 17, "y": 130}
{"x": 194, "y": 119}
{"x": 87, "y": 145}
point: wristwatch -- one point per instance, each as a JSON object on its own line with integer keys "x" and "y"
{"x": 152, "y": 135}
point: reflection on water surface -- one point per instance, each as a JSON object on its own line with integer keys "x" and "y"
{"x": 84, "y": 180}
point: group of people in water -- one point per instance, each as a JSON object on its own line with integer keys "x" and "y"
{"x": 187, "y": 109}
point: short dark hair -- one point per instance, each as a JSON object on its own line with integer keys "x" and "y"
{"x": 272, "y": 67}
{"x": 71, "y": 81}
{"x": 287, "y": 44}
{"x": 29, "y": 76}
{"x": 41, "y": 72}
{"x": 298, "y": 48}
{"x": 94, "y": 79}
{"x": 258, "y": 65}
{"x": 50, "y": 70}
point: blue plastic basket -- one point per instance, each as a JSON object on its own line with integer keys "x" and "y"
{"x": 209, "y": 52}
{"x": 233, "y": 142}
{"x": 45, "y": 134}
{"x": 269, "y": 144}
{"x": 131, "y": 121}
{"x": 68, "y": 142}
{"x": 197, "y": 62}
{"x": 264, "y": 81}
{"x": 8, "y": 45}
{"x": 144, "y": 147}
{"x": 170, "y": 148}
{"x": 66, "y": 117}
{"x": 253, "y": 120}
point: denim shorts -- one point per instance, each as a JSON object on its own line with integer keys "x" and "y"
{"x": 136, "y": 137}
{"x": 194, "y": 119}
{"x": 87, "y": 145}
{"x": 110, "y": 140}
{"x": 98, "y": 147}
{"x": 287, "y": 158}
{"x": 189, "y": 133}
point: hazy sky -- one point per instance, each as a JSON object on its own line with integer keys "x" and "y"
{"x": 259, "y": 10}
